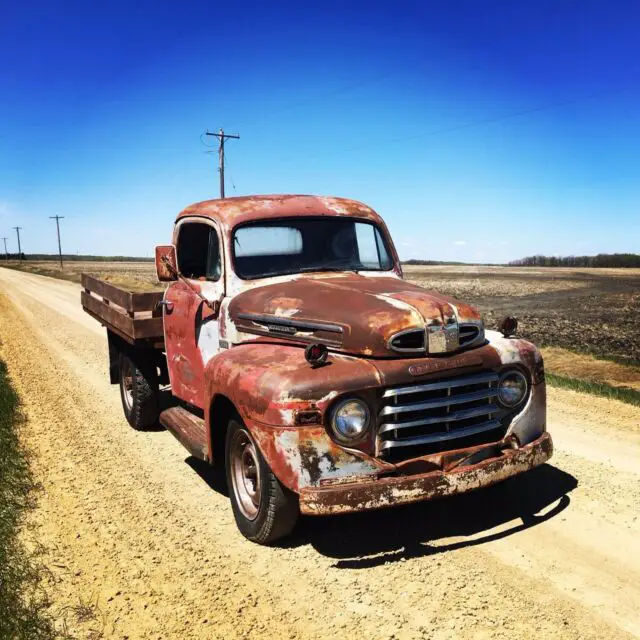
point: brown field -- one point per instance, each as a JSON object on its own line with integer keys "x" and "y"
{"x": 139, "y": 541}
{"x": 134, "y": 276}
{"x": 565, "y": 311}
{"x": 593, "y": 311}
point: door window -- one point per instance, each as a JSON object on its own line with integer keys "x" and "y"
{"x": 199, "y": 251}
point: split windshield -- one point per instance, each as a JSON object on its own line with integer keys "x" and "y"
{"x": 299, "y": 245}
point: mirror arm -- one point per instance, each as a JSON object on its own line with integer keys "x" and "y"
{"x": 179, "y": 276}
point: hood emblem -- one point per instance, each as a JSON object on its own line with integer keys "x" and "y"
{"x": 443, "y": 337}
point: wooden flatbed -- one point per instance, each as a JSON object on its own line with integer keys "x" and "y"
{"x": 135, "y": 317}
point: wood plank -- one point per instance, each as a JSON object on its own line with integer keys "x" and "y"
{"x": 108, "y": 315}
{"x": 146, "y": 301}
{"x": 115, "y": 330}
{"x": 105, "y": 290}
{"x": 145, "y": 328}
{"x": 133, "y": 328}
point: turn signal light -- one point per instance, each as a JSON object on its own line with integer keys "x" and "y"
{"x": 316, "y": 354}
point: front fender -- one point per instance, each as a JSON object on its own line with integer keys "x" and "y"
{"x": 530, "y": 423}
{"x": 268, "y": 384}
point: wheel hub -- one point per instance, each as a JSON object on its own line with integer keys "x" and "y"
{"x": 127, "y": 385}
{"x": 245, "y": 474}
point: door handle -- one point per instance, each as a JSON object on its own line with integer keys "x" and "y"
{"x": 168, "y": 306}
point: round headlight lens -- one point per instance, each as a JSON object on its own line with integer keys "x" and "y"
{"x": 350, "y": 420}
{"x": 512, "y": 388}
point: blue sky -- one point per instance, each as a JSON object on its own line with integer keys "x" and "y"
{"x": 481, "y": 131}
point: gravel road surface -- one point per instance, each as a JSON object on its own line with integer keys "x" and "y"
{"x": 140, "y": 540}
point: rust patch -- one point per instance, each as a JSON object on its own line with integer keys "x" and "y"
{"x": 166, "y": 263}
{"x": 368, "y": 310}
{"x": 391, "y": 491}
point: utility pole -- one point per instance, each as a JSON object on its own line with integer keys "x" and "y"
{"x": 6, "y": 253}
{"x": 222, "y": 136}
{"x": 57, "y": 219}
{"x": 19, "y": 247}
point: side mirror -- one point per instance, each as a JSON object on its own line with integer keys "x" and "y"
{"x": 166, "y": 263}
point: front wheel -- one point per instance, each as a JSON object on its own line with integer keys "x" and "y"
{"x": 139, "y": 392}
{"x": 264, "y": 509}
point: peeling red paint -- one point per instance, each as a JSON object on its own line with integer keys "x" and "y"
{"x": 244, "y": 341}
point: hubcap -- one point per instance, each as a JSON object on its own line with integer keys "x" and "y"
{"x": 245, "y": 474}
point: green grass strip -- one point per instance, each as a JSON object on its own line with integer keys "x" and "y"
{"x": 23, "y": 602}
{"x": 624, "y": 394}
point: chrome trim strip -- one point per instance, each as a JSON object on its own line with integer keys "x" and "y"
{"x": 434, "y": 386}
{"x": 440, "y": 402}
{"x": 288, "y": 322}
{"x": 442, "y": 436}
{"x": 463, "y": 414}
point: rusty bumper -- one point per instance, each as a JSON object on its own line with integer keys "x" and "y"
{"x": 389, "y": 491}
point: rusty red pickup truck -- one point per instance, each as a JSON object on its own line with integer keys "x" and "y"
{"x": 296, "y": 357}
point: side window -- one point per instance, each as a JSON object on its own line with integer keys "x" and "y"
{"x": 198, "y": 251}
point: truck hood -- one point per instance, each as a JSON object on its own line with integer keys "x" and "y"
{"x": 364, "y": 315}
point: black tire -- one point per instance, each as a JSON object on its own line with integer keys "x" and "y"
{"x": 274, "y": 511}
{"x": 139, "y": 392}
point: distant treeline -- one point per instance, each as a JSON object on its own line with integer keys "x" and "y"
{"x": 43, "y": 257}
{"x": 601, "y": 260}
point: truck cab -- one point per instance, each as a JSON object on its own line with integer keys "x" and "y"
{"x": 300, "y": 360}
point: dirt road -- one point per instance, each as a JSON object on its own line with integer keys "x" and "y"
{"x": 141, "y": 541}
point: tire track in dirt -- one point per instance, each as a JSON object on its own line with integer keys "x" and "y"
{"x": 139, "y": 530}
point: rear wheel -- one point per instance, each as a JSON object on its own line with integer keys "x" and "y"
{"x": 139, "y": 392}
{"x": 264, "y": 509}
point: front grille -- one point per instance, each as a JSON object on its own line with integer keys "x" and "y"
{"x": 411, "y": 340}
{"x": 438, "y": 416}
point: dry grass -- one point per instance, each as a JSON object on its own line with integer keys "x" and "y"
{"x": 586, "y": 367}
{"x": 23, "y": 601}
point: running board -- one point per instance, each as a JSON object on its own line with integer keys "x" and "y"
{"x": 187, "y": 428}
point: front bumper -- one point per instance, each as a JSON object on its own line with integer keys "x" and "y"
{"x": 386, "y": 491}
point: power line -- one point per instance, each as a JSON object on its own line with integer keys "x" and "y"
{"x": 337, "y": 90}
{"x": 222, "y": 136}
{"x": 57, "y": 219}
{"x": 465, "y": 125}
{"x": 19, "y": 247}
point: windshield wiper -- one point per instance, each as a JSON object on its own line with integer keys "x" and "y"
{"x": 310, "y": 269}
{"x": 269, "y": 274}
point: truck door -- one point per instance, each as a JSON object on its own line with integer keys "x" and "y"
{"x": 192, "y": 308}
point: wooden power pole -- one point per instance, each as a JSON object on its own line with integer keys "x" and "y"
{"x": 57, "y": 219}
{"x": 222, "y": 136}
{"x": 6, "y": 253}
{"x": 19, "y": 247}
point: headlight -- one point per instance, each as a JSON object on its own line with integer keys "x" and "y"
{"x": 512, "y": 388}
{"x": 350, "y": 420}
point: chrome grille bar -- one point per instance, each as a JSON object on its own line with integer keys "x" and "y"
{"x": 463, "y": 414}
{"x": 434, "y": 386}
{"x": 441, "y": 436}
{"x": 439, "y": 415}
{"x": 440, "y": 402}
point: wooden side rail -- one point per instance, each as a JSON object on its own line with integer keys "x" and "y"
{"x": 128, "y": 300}
{"x": 116, "y": 309}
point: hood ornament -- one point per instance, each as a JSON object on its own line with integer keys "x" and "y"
{"x": 443, "y": 337}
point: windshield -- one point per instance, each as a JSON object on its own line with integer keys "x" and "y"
{"x": 298, "y": 245}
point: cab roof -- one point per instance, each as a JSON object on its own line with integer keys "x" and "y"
{"x": 233, "y": 211}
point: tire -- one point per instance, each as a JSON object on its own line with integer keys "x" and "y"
{"x": 264, "y": 509}
{"x": 139, "y": 392}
